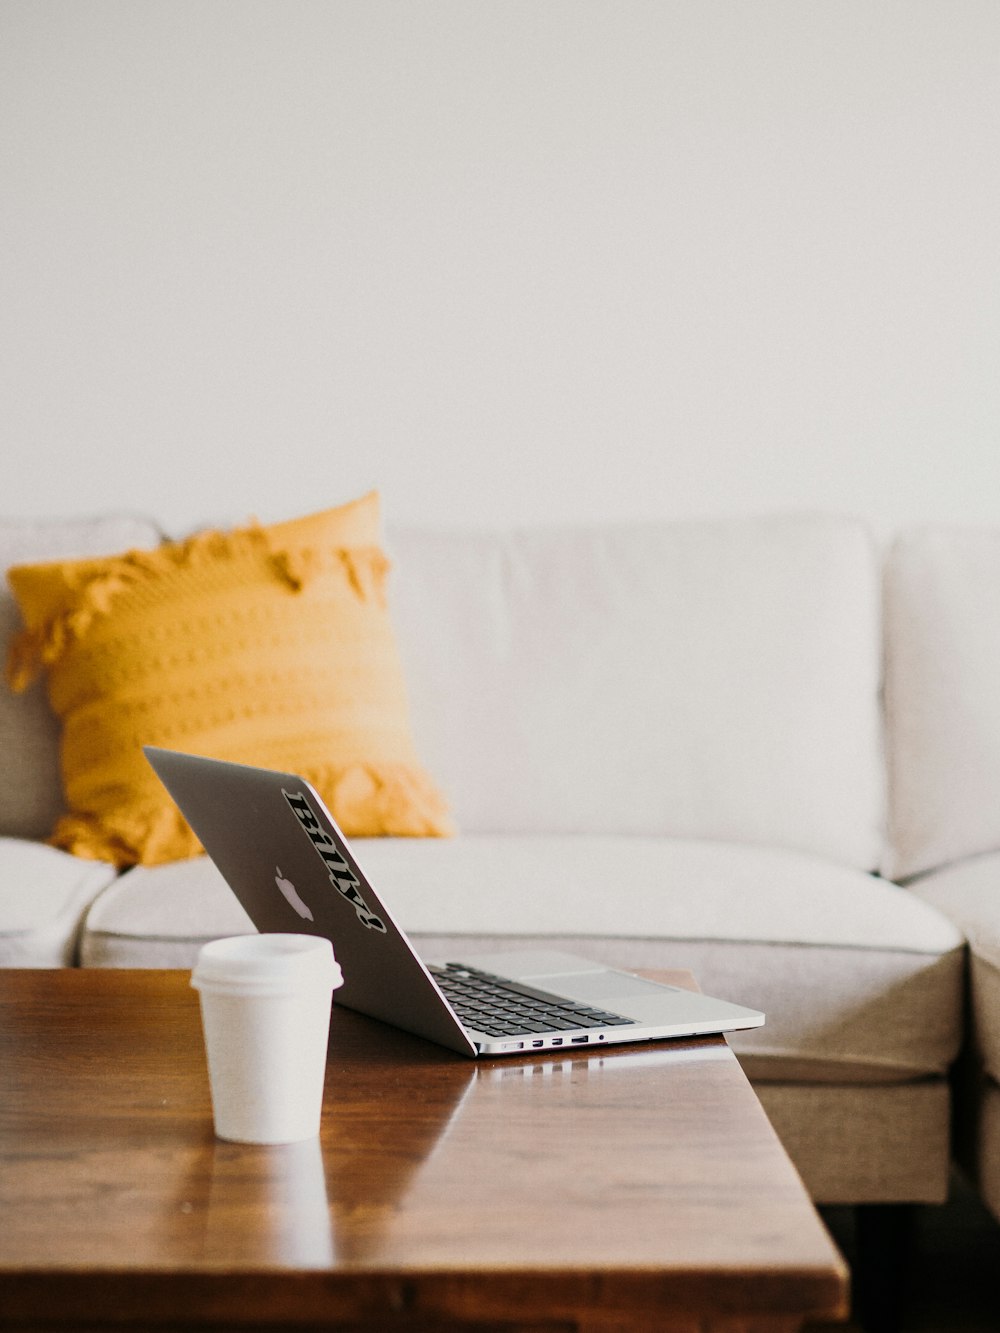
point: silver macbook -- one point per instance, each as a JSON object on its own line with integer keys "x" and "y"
{"x": 282, "y": 854}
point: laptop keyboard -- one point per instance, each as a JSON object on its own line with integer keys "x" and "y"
{"x": 502, "y": 1008}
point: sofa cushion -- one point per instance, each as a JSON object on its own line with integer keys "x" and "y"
{"x": 30, "y": 786}
{"x": 43, "y": 897}
{"x": 264, "y": 645}
{"x": 942, "y": 615}
{"x": 860, "y": 980}
{"x": 695, "y": 679}
{"x": 969, "y": 895}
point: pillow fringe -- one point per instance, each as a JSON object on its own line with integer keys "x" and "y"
{"x": 365, "y": 568}
{"x": 90, "y": 594}
{"x": 149, "y": 837}
{"x": 370, "y": 800}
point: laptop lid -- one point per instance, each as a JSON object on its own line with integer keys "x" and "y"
{"x": 283, "y": 855}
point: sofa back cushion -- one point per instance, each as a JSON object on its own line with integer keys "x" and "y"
{"x": 942, "y": 611}
{"x": 708, "y": 679}
{"x": 30, "y": 786}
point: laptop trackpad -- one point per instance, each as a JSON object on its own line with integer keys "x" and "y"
{"x": 601, "y": 988}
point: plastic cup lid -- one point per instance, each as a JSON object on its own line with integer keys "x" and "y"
{"x": 266, "y": 963}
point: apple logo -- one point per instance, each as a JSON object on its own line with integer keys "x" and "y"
{"x": 288, "y": 890}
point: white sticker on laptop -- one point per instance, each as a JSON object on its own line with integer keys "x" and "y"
{"x": 342, "y": 877}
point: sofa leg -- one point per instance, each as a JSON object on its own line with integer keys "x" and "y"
{"x": 884, "y": 1247}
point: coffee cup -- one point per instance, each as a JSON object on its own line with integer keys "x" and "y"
{"x": 265, "y": 1010}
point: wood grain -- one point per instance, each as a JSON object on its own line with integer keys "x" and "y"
{"x": 641, "y": 1187}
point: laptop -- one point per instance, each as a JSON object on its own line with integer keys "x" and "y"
{"x": 283, "y": 855}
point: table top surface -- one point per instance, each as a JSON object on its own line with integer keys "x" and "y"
{"x": 640, "y": 1170}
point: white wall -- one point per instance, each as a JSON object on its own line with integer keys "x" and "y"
{"x": 503, "y": 259}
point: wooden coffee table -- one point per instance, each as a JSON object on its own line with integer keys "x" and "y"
{"x": 636, "y": 1189}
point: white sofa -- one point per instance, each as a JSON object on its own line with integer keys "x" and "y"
{"x": 664, "y": 745}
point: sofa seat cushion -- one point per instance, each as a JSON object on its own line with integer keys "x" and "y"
{"x": 968, "y": 893}
{"x": 860, "y": 979}
{"x": 44, "y": 894}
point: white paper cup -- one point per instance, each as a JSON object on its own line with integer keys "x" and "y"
{"x": 265, "y": 1012}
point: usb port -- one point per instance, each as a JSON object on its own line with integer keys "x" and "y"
{"x": 579, "y": 1041}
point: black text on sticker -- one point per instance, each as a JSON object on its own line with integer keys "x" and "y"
{"x": 342, "y": 877}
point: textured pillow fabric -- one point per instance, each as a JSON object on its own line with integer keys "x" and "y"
{"x": 268, "y": 646}
{"x": 30, "y": 786}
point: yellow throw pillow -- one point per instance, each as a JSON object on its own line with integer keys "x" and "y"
{"x": 265, "y": 645}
